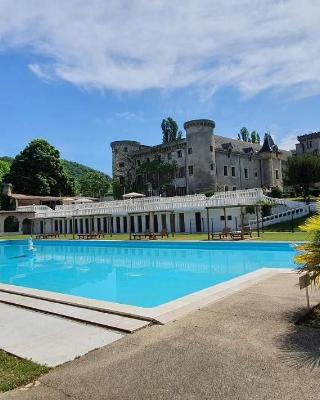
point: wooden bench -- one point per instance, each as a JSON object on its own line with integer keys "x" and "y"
{"x": 88, "y": 236}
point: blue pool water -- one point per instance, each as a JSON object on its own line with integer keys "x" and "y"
{"x": 141, "y": 274}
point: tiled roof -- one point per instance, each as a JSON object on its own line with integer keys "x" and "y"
{"x": 237, "y": 145}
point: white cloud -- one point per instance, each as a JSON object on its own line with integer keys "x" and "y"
{"x": 126, "y": 115}
{"x": 252, "y": 45}
{"x": 288, "y": 142}
{"x": 39, "y": 71}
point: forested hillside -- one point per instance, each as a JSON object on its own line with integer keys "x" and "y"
{"x": 73, "y": 168}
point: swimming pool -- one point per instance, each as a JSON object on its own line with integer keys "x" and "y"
{"x": 144, "y": 274}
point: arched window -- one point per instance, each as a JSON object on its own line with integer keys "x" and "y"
{"x": 11, "y": 224}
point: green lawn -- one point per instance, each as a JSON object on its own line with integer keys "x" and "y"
{"x": 15, "y": 372}
{"x": 269, "y": 234}
{"x": 286, "y": 226}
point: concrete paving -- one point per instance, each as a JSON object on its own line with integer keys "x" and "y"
{"x": 104, "y": 319}
{"x": 47, "y": 339}
{"x": 243, "y": 347}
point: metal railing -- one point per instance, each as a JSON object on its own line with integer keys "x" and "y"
{"x": 288, "y": 215}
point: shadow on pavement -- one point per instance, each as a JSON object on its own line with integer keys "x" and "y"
{"x": 300, "y": 345}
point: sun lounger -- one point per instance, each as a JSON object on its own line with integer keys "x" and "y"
{"x": 246, "y": 230}
{"x": 219, "y": 235}
{"x": 236, "y": 235}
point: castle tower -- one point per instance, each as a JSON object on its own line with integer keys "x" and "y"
{"x": 200, "y": 156}
{"x": 271, "y": 163}
{"x": 122, "y": 161}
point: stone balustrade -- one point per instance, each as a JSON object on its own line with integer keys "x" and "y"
{"x": 154, "y": 204}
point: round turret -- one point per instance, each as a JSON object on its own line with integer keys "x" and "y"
{"x": 121, "y": 150}
{"x": 200, "y": 155}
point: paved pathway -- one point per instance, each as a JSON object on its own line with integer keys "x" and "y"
{"x": 48, "y": 339}
{"x": 243, "y": 347}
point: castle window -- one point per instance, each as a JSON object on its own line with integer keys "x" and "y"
{"x": 138, "y": 163}
{"x": 121, "y": 164}
{"x": 148, "y": 160}
{"x": 179, "y": 153}
{"x": 229, "y": 217}
{"x": 190, "y": 150}
{"x": 277, "y": 174}
{"x": 169, "y": 156}
{"x": 310, "y": 144}
{"x": 211, "y": 167}
{"x": 246, "y": 175}
{"x": 225, "y": 170}
{"x": 125, "y": 149}
{"x": 190, "y": 170}
{"x": 211, "y": 149}
{"x": 221, "y": 217}
{"x": 234, "y": 188}
{"x": 181, "y": 173}
{"x": 233, "y": 171}
{"x": 256, "y": 174}
{"x": 226, "y": 188}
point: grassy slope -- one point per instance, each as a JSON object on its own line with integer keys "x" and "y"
{"x": 15, "y": 372}
{"x": 286, "y": 226}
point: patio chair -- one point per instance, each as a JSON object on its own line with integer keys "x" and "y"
{"x": 246, "y": 230}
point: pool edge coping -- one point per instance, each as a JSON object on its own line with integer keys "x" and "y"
{"x": 160, "y": 314}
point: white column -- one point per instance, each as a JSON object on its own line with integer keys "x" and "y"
{"x": 168, "y": 222}
{"x": 159, "y": 222}
{"x": 114, "y": 225}
{"x": 121, "y": 224}
{"x": 143, "y": 218}
{"x": 135, "y": 217}
{"x": 151, "y": 222}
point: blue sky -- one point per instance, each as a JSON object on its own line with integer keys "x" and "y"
{"x": 69, "y": 74}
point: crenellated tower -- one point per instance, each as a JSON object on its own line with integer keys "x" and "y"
{"x": 200, "y": 155}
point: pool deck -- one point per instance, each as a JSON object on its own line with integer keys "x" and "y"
{"x": 242, "y": 347}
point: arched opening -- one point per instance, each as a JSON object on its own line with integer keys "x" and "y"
{"x": 26, "y": 226}
{"x": 11, "y": 224}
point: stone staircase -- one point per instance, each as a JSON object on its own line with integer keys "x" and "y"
{"x": 84, "y": 314}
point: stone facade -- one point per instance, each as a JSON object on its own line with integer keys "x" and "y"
{"x": 308, "y": 144}
{"x": 205, "y": 161}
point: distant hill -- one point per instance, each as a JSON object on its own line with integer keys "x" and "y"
{"x": 77, "y": 170}
{"x": 72, "y": 168}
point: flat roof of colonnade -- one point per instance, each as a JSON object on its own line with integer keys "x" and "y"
{"x": 198, "y": 202}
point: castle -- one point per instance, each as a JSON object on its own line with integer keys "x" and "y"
{"x": 204, "y": 161}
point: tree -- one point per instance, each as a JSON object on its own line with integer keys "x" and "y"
{"x": 303, "y": 171}
{"x": 118, "y": 189}
{"x": 4, "y": 170}
{"x": 258, "y": 138}
{"x": 255, "y": 137}
{"x": 170, "y": 131}
{"x": 94, "y": 184}
{"x": 276, "y": 192}
{"x": 244, "y": 134}
{"x": 38, "y": 170}
{"x": 156, "y": 172}
{"x": 309, "y": 253}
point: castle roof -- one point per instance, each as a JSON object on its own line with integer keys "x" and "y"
{"x": 268, "y": 144}
{"x": 311, "y": 135}
{"x": 237, "y": 145}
